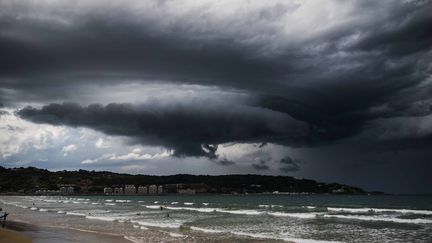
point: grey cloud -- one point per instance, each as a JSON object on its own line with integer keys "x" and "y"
{"x": 261, "y": 165}
{"x": 188, "y": 130}
{"x": 289, "y": 165}
{"x": 225, "y": 162}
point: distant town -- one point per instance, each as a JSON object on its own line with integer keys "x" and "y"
{"x": 34, "y": 181}
{"x": 186, "y": 189}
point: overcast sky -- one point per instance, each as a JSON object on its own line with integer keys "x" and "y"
{"x": 336, "y": 91}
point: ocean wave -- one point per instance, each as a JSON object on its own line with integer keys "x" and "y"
{"x": 384, "y": 219}
{"x": 172, "y": 225}
{"x": 50, "y": 201}
{"x": 75, "y": 214}
{"x": 212, "y": 231}
{"x": 205, "y": 204}
{"x": 188, "y": 203}
{"x": 244, "y": 212}
{"x": 174, "y": 203}
{"x": 204, "y": 210}
{"x": 177, "y": 235}
{"x": 102, "y": 218}
{"x": 273, "y": 237}
{"x": 294, "y": 215}
{"x": 43, "y": 210}
{"x": 33, "y": 208}
{"x": 110, "y": 204}
{"x": 211, "y": 210}
{"x": 152, "y": 206}
{"x": 123, "y": 201}
{"x": 380, "y": 210}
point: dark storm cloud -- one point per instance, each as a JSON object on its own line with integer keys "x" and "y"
{"x": 261, "y": 166}
{"x": 338, "y": 80}
{"x": 189, "y": 131}
{"x": 289, "y": 165}
{"x": 225, "y": 162}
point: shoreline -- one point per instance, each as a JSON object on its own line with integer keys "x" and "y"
{"x": 24, "y": 232}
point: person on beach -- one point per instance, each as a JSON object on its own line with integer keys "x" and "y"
{"x": 4, "y": 216}
{"x": 4, "y": 219}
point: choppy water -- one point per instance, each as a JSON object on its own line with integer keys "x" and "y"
{"x": 296, "y": 218}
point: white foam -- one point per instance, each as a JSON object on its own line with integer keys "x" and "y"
{"x": 277, "y": 206}
{"x": 133, "y": 239}
{"x": 153, "y": 206}
{"x": 171, "y": 225}
{"x": 211, "y": 210}
{"x": 310, "y": 207}
{"x": 144, "y": 228}
{"x": 155, "y": 202}
{"x": 110, "y": 204}
{"x": 108, "y": 200}
{"x": 49, "y": 200}
{"x": 205, "y": 204}
{"x": 244, "y": 212}
{"x": 212, "y": 231}
{"x": 366, "y": 210}
{"x": 123, "y": 201}
{"x": 264, "y": 206}
{"x": 294, "y": 215}
{"x": 174, "y": 203}
{"x": 384, "y": 219}
{"x": 75, "y": 214}
{"x": 61, "y": 211}
{"x": 175, "y": 235}
{"x": 110, "y": 219}
{"x": 95, "y": 203}
{"x": 204, "y": 210}
{"x": 33, "y": 208}
{"x": 188, "y": 203}
{"x": 43, "y": 210}
{"x": 273, "y": 237}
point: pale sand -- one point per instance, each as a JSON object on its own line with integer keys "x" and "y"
{"x": 25, "y": 233}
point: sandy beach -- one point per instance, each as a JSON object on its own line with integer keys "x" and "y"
{"x": 7, "y": 235}
{"x": 20, "y": 232}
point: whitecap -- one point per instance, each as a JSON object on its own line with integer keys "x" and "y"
{"x": 384, "y": 219}
{"x": 101, "y": 218}
{"x": 206, "y": 230}
{"x": 365, "y": 210}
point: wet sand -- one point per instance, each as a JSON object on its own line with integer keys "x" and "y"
{"x": 7, "y": 236}
{"x": 24, "y": 233}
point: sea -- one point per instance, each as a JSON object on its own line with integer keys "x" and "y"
{"x": 235, "y": 218}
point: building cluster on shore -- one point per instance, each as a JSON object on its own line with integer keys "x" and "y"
{"x": 134, "y": 190}
{"x": 187, "y": 189}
